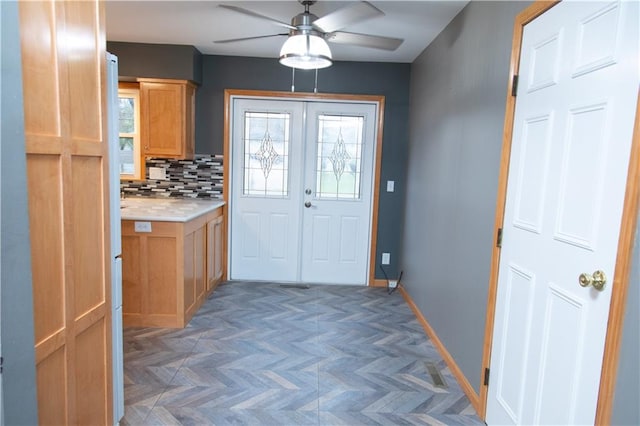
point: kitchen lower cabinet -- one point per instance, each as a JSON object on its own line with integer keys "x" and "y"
{"x": 165, "y": 276}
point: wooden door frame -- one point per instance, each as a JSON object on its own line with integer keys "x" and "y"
{"x": 628, "y": 225}
{"x": 311, "y": 97}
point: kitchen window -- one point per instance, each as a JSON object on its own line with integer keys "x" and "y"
{"x": 131, "y": 159}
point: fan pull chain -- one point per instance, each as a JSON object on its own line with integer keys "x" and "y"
{"x": 315, "y": 88}
{"x": 293, "y": 79}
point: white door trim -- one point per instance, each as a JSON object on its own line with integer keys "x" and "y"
{"x": 625, "y": 241}
{"x": 378, "y": 101}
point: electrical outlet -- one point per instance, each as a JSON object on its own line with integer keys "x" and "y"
{"x": 386, "y": 258}
{"x": 157, "y": 173}
{"x": 390, "y": 186}
{"x": 393, "y": 283}
{"x": 142, "y": 226}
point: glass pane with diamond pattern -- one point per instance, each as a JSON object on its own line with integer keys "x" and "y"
{"x": 339, "y": 157}
{"x": 266, "y": 154}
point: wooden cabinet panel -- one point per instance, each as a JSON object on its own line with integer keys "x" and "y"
{"x": 214, "y": 251}
{"x": 52, "y": 398}
{"x": 64, "y": 73}
{"x": 161, "y": 271}
{"x": 88, "y": 369}
{"x": 131, "y": 275}
{"x": 86, "y": 78}
{"x": 199, "y": 262}
{"x": 189, "y": 269}
{"x": 39, "y": 28}
{"x": 218, "y": 249}
{"x": 167, "y": 116}
{"x": 45, "y": 195}
{"x": 190, "y": 121}
{"x": 88, "y": 222}
{"x": 194, "y": 270}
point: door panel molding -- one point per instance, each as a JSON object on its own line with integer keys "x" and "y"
{"x": 229, "y": 94}
{"x": 624, "y": 246}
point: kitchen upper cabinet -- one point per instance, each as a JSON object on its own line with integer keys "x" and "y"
{"x": 168, "y": 118}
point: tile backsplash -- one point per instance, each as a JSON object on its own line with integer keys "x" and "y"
{"x": 197, "y": 178}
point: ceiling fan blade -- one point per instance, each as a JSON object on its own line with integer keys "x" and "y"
{"x": 354, "y": 13}
{"x": 232, "y": 40}
{"x": 364, "y": 40}
{"x": 257, "y": 15}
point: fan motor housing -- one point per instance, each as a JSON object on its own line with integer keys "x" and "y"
{"x": 304, "y": 24}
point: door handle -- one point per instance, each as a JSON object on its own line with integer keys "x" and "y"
{"x": 307, "y": 191}
{"x": 597, "y": 280}
{"x": 307, "y": 204}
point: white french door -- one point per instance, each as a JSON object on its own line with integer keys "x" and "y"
{"x": 572, "y": 135}
{"x": 301, "y": 190}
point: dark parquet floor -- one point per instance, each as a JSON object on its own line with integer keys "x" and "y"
{"x": 267, "y": 354}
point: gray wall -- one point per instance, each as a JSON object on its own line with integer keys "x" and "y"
{"x": 16, "y": 311}
{"x": 626, "y": 406}
{"x": 390, "y": 80}
{"x": 232, "y": 72}
{"x": 175, "y": 61}
{"x": 458, "y": 88}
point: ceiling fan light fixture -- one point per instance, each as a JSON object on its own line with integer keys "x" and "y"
{"x": 305, "y": 51}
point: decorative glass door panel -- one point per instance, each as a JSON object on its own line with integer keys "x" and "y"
{"x": 339, "y": 155}
{"x": 266, "y": 154}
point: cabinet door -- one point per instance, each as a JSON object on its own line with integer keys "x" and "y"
{"x": 218, "y": 251}
{"x": 132, "y": 273}
{"x": 194, "y": 270}
{"x": 160, "y": 258}
{"x": 214, "y": 252}
{"x": 162, "y": 115}
{"x": 199, "y": 262}
{"x": 189, "y": 278}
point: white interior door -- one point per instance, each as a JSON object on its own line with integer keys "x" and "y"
{"x": 338, "y": 187}
{"x": 302, "y": 186}
{"x": 572, "y": 135}
{"x": 266, "y": 189}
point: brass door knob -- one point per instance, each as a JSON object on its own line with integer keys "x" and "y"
{"x": 597, "y": 280}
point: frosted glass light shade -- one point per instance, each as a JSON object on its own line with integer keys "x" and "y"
{"x": 305, "y": 51}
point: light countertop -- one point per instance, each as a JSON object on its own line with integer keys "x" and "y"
{"x": 166, "y": 209}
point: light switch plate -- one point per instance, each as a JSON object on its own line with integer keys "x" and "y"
{"x": 142, "y": 226}
{"x": 390, "y": 185}
{"x": 386, "y": 258}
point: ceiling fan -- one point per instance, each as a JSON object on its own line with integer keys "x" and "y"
{"x": 306, "y": 46}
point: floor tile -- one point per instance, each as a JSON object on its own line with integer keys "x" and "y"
{"x": 272, "y": 354}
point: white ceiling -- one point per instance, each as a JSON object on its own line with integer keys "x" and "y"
{"x": 198, "y": 23}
